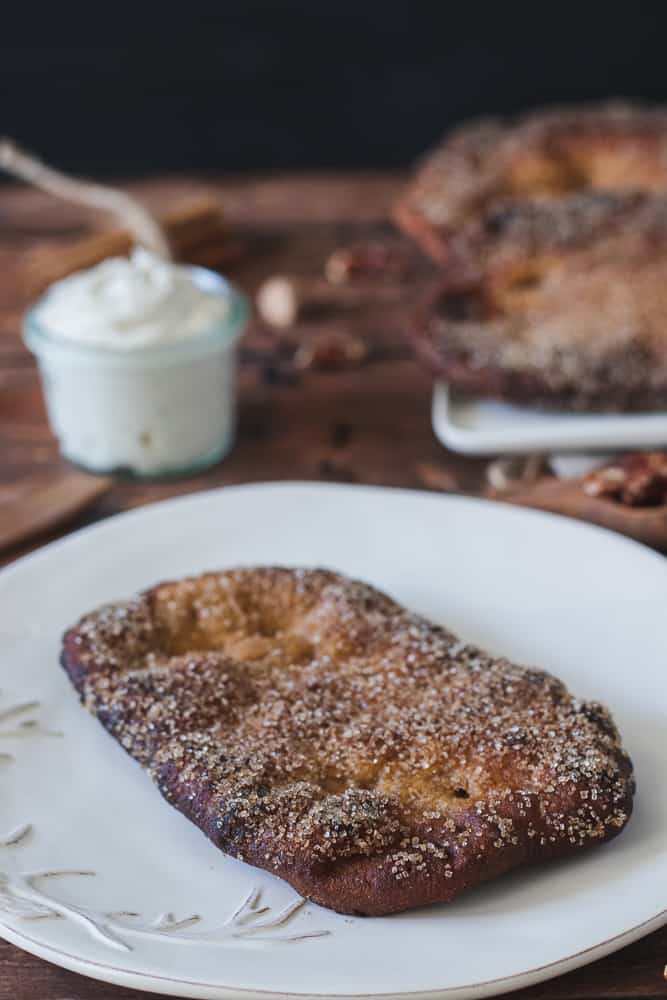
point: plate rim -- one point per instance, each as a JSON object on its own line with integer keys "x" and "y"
{"x": 626, "y": 430}
{"x": 147, "y": 982}
{"x": 455, "y": 499}
{"x": 117, "y": 975}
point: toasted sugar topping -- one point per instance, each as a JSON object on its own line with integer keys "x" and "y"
{"x": 312, "y": 715}
{"x": 589, "y": 331}
{"x": 561, "y": 217}
{"x": 614, "y": 146}
{"x": 572, "y": 290}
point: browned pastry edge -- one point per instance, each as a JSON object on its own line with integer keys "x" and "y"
{"x": 602, "y": 392}
{"x": 558, "y": 151}
{"x": 409, "y": 866}
{"x": 528, "y": 388}
{"x": 436, "y": 242}
{"x": 562, "y": 305}
{"x": 519, "y": 243}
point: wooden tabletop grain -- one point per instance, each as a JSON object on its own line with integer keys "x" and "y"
{"x": 370, "y": 424}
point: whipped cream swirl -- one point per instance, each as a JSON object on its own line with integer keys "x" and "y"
{"x": 126, "y": 303}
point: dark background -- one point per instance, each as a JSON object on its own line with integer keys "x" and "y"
{"x": 121, "y": 88}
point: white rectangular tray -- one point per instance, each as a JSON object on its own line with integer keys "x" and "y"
{"x": 476, "y": 426}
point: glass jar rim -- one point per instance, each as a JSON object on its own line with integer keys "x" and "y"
{"x": 222, "y": 335}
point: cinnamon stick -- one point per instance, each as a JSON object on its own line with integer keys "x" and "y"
{"x": 284, "y": 300}
{"x": 190, "y": 229}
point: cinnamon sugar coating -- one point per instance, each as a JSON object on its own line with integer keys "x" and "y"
{"x": 552, "y": 229}
{"x": 617, "y": 146}
{"x": 311, "y": 726}
{"x": 564, "y": 305}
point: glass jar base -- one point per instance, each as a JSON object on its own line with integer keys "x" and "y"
{"x": 125, "y": 472}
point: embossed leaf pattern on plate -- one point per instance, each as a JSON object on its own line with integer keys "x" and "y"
{"x": 27, "y": 895}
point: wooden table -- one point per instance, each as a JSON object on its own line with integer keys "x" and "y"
{"x": 370, "y": 424}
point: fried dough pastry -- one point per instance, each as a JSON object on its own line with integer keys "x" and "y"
{"x": 564, "y": 306}
{"x": 311, "y": 726}
{"x": 552, "y": 152}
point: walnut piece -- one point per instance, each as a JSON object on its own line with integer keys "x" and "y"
{"x": 363, "y": 261}
{"x": 331, "y": 352}
{"x": 637, "y": 480}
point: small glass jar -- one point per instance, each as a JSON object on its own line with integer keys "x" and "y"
{"x": 151, "y": 411}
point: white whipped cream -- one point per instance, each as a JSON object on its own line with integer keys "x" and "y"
{"x": 113, "y": 406}
{"x": 130, "y": 302}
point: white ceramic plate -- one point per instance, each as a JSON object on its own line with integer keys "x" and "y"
{"x": 478, "y": 426}
{"x": 161, "y": 911}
